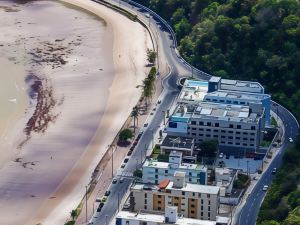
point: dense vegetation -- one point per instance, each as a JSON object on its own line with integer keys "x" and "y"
{"x": 241, "y": 39}
{"x": 248, "y": 40}
{"x": 282, "y": 202}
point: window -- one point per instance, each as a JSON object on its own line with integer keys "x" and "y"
{"x": 252, "y": 127}
{"x": 156, "y": 170}
{"x": 237, "y": 143}
{"x": 200, "y": 135}
{"x": 215, "y": 100}
{"x": 237, "y": 138}
{"x": 159, "y": 208}
{"x": 244, "y": 144}
{"x": 201, "y": 123}
{"x": 199, "y": 195}
{"x": 238, "y": 132}
{"x": 245, "y": 139}
{"x": 159, "y": 196}
{"x": 230, "y": 132}
{"x": 222, "y": 100}
{"x": 145, "y": 206}
{"x": 183, "y": 193}
{"x": 209, "y": 215}
{"x": 190, "y": 179}
{"x": 201, "y": 201}
{"x": 208, "y": 135}
{"x": 175, "y": 204}
{"x": 228, "y": 101}
{"x": 215, "y": 136}
{"x": 222, "y": 136}
{"x": 239, "y": 127}
{"x": 156, "y": 181}
{"x": 208, "y": 196}
{"x": 251, "y": 144}
{"x": 208, "y": 202}
{"x": 156, "y": 176}
{"x": 193, "y": 196}
{"x": 223, "y": 131}
{"x": 193, "y": 128}
{"x": 192, "y": 211}
{"x": 201, "y": 215}
{"x": 252, "y": 134}
{"x": 251, "y": 139}
{"x": 127, "y": 222}
{"x": 230, "y": 143}
{"x": 200, "y": 129}
{"x": 235, "y": 102}
{"x": 193, "y": 122}
{"x": 192, "y": 205}
{"x": 216, "y": 124}
{"x": 208, "y": 208}
{"x": 245, "y": 133}
{"x": 208, "y": 130}
{"x": 190, "y": 174}
{"x": 145, "y": 201}
{"x": 230, "y": 137}
{"x": 216, "y": 131}
{"x": 145, "y": 195}
{"x": 208, "y": 124}
{"x": 201, "y": 207}
{"x": 243, "y": 103}
{"x": 193, "y": 133}
{"x": 159, "y": 202}
{"x": 230, "y": 125}
{"x": 222, "y": 142}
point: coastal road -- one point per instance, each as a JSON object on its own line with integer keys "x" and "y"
{"x": 250, "y": 210}
{"x": 178, "y": 67}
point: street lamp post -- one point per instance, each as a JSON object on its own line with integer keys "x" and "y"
{"x": 118, "y": 201}
{"x": 152, "y": 139}
{"x": 247, "y": 168}
{"x": 106, "y": 222}
{"x": 86, "y": 204}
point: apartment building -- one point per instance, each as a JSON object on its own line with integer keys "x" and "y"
{"x": 170, "y": 216}
{"x": 193, "y": 200}
{"x": 154, "y": 172}
{"x": 238, "y": 128}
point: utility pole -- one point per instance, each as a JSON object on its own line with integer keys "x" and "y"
{"x": 86, "y": 204}
{"x": 164, "y": 117}
{"x": 118, "y": 201}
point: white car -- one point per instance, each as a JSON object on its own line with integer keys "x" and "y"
{"x": 291, "y": 140}
{"x": 265, "y": 187}
{"x": 221, "y": 155}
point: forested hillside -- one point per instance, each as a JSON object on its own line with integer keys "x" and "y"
{"x": 241, "y": 39}
{"x": 248, "y": 40}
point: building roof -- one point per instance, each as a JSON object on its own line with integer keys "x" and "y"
{"x": 195, "y": 188}
{"x": 152, "y": 163}
{"x": 234, "y": 84}
{"x": 163, "y": 184}
{"x": 193, "y": 90}
{"x": 218, "y": 111}
{"x": 178, "y": 142}
{"x": 159, "y": 217}
{"x": 246, "y": 96}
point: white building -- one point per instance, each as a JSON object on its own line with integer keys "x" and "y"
{"x": 154, "y": 171}
{"x": 158, "y": 218}
{"x": 224, "y": 178}
{"x": 193, "y": 200}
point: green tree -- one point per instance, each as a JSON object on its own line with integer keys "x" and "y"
{"x": 209, "y": 148}
{"x": 135, "y": 115}
{"x": 125, "y": 135}
{"x": 73, "y": 214}
{"x": 151, "y": 56}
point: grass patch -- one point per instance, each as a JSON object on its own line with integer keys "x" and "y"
{"x": 273, "y": 122}
{"x": 265, "y": 143}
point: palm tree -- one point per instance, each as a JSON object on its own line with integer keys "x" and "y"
{"x": 135, "y": 115}
{"x": 74, "y": 214}
{"x": 148, "y": 90}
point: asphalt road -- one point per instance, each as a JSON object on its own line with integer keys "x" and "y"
{"x": 249, "y": 212}
{"x": 178, "y": 68}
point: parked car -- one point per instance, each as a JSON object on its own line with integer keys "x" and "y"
{"x": 221, "y": 155}
{"x": 265, "y": 187}
{"x": 122, "y": 166}
{"x": 129, "y": 153}
{"x": 291, "y": 140}
{"x": 98, "y": 199}
{"x": 114, "y": 181}
{"x": 274, "y": 170}
{"x": 126, "y": 160}
{"x": 107, "y": 193}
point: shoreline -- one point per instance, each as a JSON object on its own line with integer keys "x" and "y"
{"x": 70, "y": 191}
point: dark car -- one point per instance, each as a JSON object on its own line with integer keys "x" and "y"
{"x": 129, "y": 153}
{"x": 107, "y": 193}
{"x": 123, "y": 166}
{"x": 126, "y": 160}
{"x": 114, "y": 181}
{"x": 274, "y": 170}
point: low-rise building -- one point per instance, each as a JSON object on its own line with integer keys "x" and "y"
{"x": 179, "y": 144}
{"x": 170, "y": 216}
{"x": 224, "y": 178}
{"x": 192, "y": 200}
{"x": 155, "y": 171}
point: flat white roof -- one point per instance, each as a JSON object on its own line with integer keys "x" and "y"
{"x": 165, "y": 165}
{"x": 195, "y": 188}
{"x": 158, "y": 217}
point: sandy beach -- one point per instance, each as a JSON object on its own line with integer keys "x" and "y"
{"x": 85, "y": 91}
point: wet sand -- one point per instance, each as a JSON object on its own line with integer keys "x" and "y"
{"x": 88, "y": 70}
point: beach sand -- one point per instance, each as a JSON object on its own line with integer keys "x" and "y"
{"x": 93, "y": 87}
